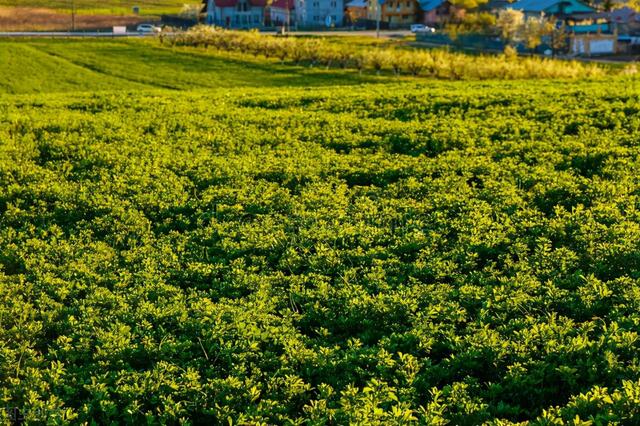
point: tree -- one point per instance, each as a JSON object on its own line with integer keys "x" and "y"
{"x": 479, "y": 23}
{"x": 534, "y": 29}
{"x": 475, "y": 23}
{"x": 510, "y": 23}
{"x": 190, "y": 11}
{"x": 468, "y": 4}
{"x": 558, "y": 37}
{"x": 633, "y": 4}
{"x": 458, "y": 13}
{"x": 531, "y": 31}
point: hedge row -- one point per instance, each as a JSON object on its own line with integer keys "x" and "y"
{"x": 417, "y": 62}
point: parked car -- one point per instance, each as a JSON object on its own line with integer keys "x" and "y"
{"x": 420, "y": 28}
{"x": 148, "y": 28}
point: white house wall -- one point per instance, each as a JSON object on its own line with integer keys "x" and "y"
{"x": 281, "y": 16}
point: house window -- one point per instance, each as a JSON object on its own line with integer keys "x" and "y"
{"x": 242, "y": 6}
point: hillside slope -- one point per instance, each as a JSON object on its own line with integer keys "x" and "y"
{"x": 83, "y": 65}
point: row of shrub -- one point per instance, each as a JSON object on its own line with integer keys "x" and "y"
{"x": 415, "y": 62}
{"x": 383, "y": 254}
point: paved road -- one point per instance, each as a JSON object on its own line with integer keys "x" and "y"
{"x": 367, "y": 33}
{"x": 62, "y": 34}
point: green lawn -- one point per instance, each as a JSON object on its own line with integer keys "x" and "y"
{"x": 134, "y": 65}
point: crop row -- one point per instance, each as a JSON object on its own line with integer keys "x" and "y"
{"x": 442, "y": 253}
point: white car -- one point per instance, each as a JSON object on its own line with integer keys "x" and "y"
{"x": 419, "y": 28}
{"x": 148, "y": 28}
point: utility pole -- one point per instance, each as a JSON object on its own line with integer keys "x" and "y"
{"x": 73, "y": 15}
{"x": 378, "y": 14}
{"x": 288, "y": 16}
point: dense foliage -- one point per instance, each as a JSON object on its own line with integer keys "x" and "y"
{"x": 416, "y": 62}
{"x": 444, "y": 253}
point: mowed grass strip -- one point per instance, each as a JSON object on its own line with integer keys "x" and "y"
{"x": 25, "y": 69}
{"x": 37, "y": 66}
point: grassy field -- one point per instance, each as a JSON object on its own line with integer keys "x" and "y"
{"x": 196, "y": 237}
{"x": 108, "y": 7}
{"x": 90, "y": 65}
{"x": 38, "y": 19}
{"x": 55, "y": 15}
{"x": 135, "y": 65}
